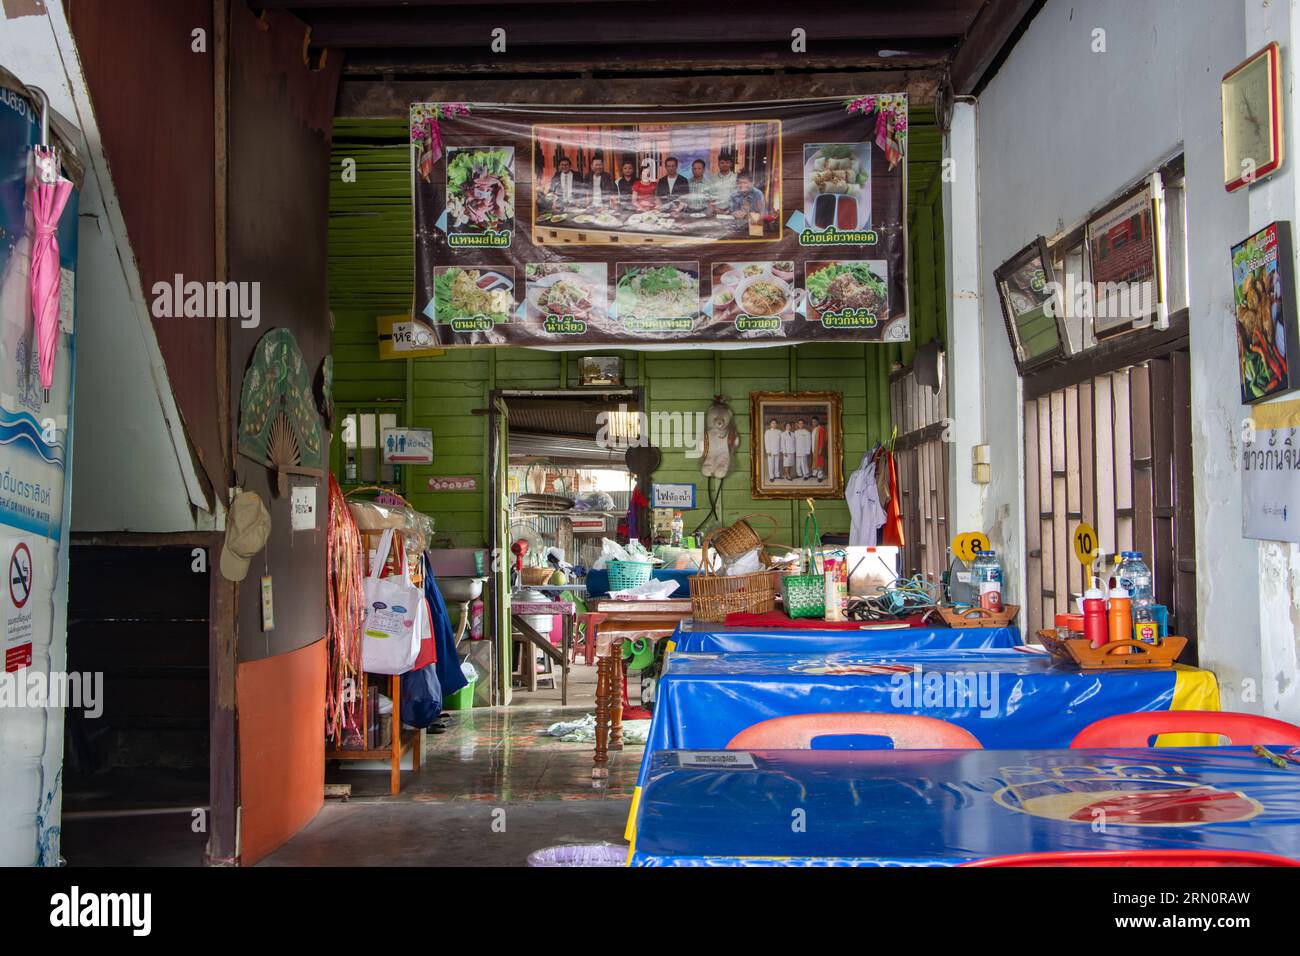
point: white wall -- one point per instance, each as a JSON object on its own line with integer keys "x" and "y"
{"x": 125, "y": 465}
{"x": 1063, "y": 128}
{"x": 133, "y": 469}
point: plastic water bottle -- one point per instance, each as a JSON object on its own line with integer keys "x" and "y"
{"x": 986, "y": 573}
{"x": 1135, "y": 577}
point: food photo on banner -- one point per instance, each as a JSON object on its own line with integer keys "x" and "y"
{"x": 781, "y": 221}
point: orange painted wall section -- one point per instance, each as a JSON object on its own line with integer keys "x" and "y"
{"x": 281, "y": 750}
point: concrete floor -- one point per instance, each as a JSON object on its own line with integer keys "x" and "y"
{"x": 489, "y": 792}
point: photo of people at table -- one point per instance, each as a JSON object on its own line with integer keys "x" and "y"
{"x": 684, "y": 180}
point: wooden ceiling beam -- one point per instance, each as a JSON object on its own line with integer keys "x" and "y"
{"x": 374, "y": 99}
{"x": 669, "y": 21}
{"x": 992, "y": 31}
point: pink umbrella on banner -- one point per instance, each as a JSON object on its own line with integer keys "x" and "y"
{"x": 47, "y": 194}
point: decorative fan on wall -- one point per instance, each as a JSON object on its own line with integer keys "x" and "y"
{"x": 278, "y": 422}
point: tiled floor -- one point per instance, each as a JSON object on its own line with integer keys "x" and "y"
{"x": 490, "y": 791}
{"x": 497, "y": 754}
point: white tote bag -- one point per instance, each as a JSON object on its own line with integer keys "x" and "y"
{"x": 396, "y": 617}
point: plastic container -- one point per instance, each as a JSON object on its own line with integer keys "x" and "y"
{"x": 1119, "y": 618}
{"x": 834, "y": 610}
{"x": 1071, "y": 622}
{"x": 628, "y": 574}
{"x": 1135, "y": 577}
{"x": 1095, "y": 628}
{"x": 1146, "y": 624}
{"x": 584, "y": 854}
{"x": 463, "y": 699}
{"x": 986, "y": 576}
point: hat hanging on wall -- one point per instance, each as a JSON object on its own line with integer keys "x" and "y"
{"x": 248, "y": 525}
{"x": 279, "y": 425}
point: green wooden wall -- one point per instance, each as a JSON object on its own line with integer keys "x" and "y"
{"x": 371, "y": 270}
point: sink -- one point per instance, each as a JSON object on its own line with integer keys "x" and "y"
{"x": 459, "y": 590}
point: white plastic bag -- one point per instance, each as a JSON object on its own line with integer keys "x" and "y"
{"x": 397, "y": 617}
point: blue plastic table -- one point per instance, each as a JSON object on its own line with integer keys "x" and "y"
{"x": 694, "y": 637}
{"x": 944, "y": 807}
{"x": 1007, "y": 697}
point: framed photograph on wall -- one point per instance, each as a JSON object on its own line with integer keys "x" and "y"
{"x": 796, "y": 445}
{"x": 1263, "y": 299}
{"x": 1126, "y": 262}
{"x": 601, "y": 370}
{"x": 1032, "y": 307}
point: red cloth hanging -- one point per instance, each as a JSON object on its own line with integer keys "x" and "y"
{"x": 893, "y": 530}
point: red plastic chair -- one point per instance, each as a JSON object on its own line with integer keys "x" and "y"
{"x": 1139, "y": 858}
{"x": 1136, "y": 730}
{"x": 907, "y": 731}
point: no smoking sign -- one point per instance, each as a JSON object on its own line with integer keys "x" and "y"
{"x": 20, "y": 575}
{"x": 19, "y": 622}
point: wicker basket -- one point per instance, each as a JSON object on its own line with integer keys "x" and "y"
{"x": 740, "y": 537}
{"x": 537, "y": 576}
{"x": 714, "y": 596}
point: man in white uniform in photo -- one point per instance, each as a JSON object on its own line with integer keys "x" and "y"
{"x": 802, "y": 450}
{"x": 772, "y": 450}
{"x": 787, "y": 451}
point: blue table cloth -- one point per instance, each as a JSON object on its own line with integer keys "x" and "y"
{"x": 598, "y": 581}
{"x": 1007, "y": 697}
{"x": 944, "y": 807}
{"x": 694, "y": 637}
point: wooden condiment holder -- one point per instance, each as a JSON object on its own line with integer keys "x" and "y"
{"x": 1139, "y": 655}
{"x": 979, "y": 617}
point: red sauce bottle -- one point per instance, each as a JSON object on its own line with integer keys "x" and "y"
{"x": 1095, "y": 628}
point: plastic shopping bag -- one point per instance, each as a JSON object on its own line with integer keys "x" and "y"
{"x": 396, "y": 617}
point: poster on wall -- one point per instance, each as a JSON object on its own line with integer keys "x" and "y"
{"x": 1126, "y": 263}
{"x": 1263, "y": 297}
{"x": 1270, "y": 474}
{"x": 781, "y": 221}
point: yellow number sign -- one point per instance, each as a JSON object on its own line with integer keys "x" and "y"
{"x": 1085, "y": 544}
{"x": 965, "y": 545}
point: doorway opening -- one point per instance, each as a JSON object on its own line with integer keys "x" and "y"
{"x": 565, "y": 489}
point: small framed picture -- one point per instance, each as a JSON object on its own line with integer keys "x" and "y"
{"x": 600, "y": 370}
{"x": 1126, "y": 262}
{"x": 796, "y": 445}
{"x": 1263, "y": 300}
{"x": 1032, "y": 307}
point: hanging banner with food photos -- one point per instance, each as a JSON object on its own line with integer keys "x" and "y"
{"x": 579, "y": 225}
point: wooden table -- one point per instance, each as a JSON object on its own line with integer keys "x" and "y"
{"x": 609, "y": 624}
{"x": 561, "y": 658}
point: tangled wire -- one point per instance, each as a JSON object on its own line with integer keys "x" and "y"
{"x": 345, "y": 596}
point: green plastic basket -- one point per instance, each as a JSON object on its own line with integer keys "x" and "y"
{"x": 628, "y": 574}
{"x": 463, "y": 699}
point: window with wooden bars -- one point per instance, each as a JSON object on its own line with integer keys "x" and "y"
{"x": 921, "y": 458}
{"x": 1112, "y": 447}
{"x": 1108, "y": 435}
